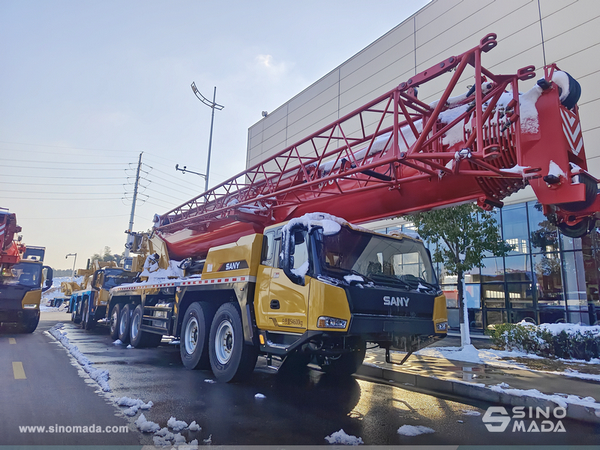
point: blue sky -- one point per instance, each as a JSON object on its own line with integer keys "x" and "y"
{"x": 85, "y": 86}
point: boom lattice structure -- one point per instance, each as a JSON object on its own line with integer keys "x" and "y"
{"x": 398, "y": 154}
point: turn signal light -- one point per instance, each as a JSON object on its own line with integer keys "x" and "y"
{"x": 30, "y": 306}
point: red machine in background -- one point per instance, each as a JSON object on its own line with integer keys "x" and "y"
{"x": 397, "y": 154}
{"x": 11, "y": 250}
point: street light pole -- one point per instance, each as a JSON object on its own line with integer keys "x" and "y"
{"x": 212, "y": 105}
{"x": 74, "y": 260}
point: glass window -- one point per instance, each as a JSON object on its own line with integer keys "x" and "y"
{"x": 544, "y": 235}
{"x": 520, "y": 295}
{"x": 547, "y": 277}
{"x": 496, "y": 215}
{"x": 492, "y": 270}
{"x": 514, "y": 222}
{"x": 495, "y": 317}
{"x": 451, "y": 293}
{"x": 518, "y": 268}
{"x": 493, "y": 295}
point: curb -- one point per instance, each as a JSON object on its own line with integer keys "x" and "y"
{"x": 470, "y": 390}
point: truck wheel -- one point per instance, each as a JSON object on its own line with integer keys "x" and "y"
{"x": 76, "y": 314}
{"x": 124, "y": 323}
{"x": 347, "y": 363}
{"x": 31, "y": 324}
{"x": 230, "y": 358}
{"x": 139, "y": 338}
{"x": 114, "y": 321}
{"x": 87, "y": 323}
{"x": 194, "y": 338}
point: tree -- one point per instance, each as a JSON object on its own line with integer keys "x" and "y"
{"x": 463, "y": 234}
{"x": 108, "y": 256}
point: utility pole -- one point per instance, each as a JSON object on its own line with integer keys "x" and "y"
{"x": 135, "y": 192}
{"x": 212, "y": 105}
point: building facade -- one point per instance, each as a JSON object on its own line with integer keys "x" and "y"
{"x": 547, "y": 277}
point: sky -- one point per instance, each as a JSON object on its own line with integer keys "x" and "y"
{"x": 88, "y": 86}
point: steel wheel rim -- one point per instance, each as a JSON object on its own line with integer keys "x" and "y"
{"x": 135, "y": 326}
{"x": 114, "y": 318}
{"x": 123, "y": 324}
{"x": 190, "y": 340}
{"x": 224, "y": 341}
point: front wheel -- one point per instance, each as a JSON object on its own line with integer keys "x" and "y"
{"x": 231, "y": 359}
{"x": 114, "y": 321}
{"x": 30, "y": 324}
{"x": 194, "y": 338}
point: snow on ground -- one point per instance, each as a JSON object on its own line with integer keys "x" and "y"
{"x": 341, "y": 438}
{"x": 470, "y": 354}
{"x": 414, "y": 430}
{"x": 100, "y": 376}
{"x": 134, "y": 405}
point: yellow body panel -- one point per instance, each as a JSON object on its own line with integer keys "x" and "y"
{"x": 223, "y": 260}
{"x": 32, "y": 298}
{"x": 327, "y": 300}
{"x": 273, "y": 285}
{"x": 440, "y": 312}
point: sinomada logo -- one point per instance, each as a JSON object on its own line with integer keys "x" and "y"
{"x": 525, "y": 419}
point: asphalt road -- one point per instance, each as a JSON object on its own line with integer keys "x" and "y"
{"x": 300, "y": 409}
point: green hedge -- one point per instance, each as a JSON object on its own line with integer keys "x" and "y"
{"x": 566, "y": 341}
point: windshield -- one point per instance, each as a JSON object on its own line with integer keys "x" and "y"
{"x": 23, "y": 274}
{"x": 116, "y": 277}
{"x": 377, "y": 258}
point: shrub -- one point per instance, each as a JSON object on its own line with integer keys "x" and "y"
{"x": 568, "y": 341}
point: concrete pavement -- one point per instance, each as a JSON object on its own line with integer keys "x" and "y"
{"x": 481, "y": 381}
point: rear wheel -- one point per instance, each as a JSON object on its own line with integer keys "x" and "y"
{"x": 139, "y": 338}
{"x": 87, "y": 323}
{"x": 114, "y": 321}
{"x": 124, "y": 323}
{"x": 231, "y": 359}
{"x": 76, "y": 312}
{"x": 194, "y": 338}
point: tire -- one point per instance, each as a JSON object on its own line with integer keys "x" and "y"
{"x": 87, "y": 323}
{"x": 137, "y": 337}
{"x": 347, "y": 363}
{"x": 76, "y": 314}
{"x": 230, "y": 358}
{"x": 124, "y": 323}
{"x": 114, "y": 322}
{"x": 193, "y": 345}
{"x": 31, "y": 324}
{"x": 576, "y": 231}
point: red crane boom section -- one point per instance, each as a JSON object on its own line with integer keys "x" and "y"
{"x": 396, "y": 155}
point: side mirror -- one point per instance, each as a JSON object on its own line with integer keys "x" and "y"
{"x": 49, "y": 276}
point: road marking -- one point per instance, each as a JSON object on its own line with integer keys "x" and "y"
{"x": 18, "y": 371}
{"x": 12, "y": 341}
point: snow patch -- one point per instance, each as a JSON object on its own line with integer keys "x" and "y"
{"x": 414, "y": 430}
{"x": 145, "y": 425}
{"x": 259, "y": 396}
{"x": 341, "y": 438}
{"x": 176, "y": 425}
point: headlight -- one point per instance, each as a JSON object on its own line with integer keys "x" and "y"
{"x": 30, "y": 306}
{"x": 441, "y": 326}
{"x": 331, "y": 322}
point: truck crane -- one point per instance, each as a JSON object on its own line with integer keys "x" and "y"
{"x": 23, "y": 277}
{"x": 267, "y": 272}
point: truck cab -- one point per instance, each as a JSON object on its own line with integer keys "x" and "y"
{"x": 21, "y": 288}
{"x": 325, "y": 288}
